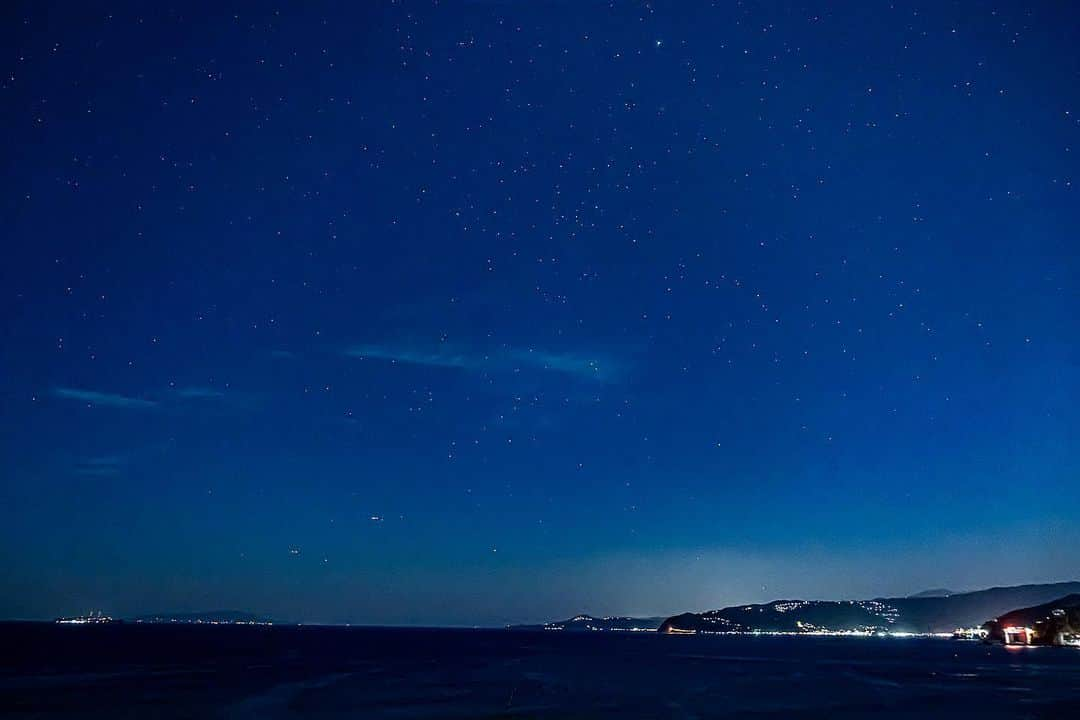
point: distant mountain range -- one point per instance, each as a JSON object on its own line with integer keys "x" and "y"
{"x": 935, "y": 593}
{"x": 588, "y": 623}
{"x": 920, "y": 613}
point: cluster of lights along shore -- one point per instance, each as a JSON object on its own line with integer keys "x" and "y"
{"x": 805, "y": 629}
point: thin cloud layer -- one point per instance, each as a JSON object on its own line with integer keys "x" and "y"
{"x": 104, "y": 466}
{"x": 504, "y": 359}
{"x": 103, "y": 399}
{"x": 414, "y": 357}
{"x": 199, "y": 393}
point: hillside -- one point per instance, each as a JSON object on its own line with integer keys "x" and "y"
{"x": 588, "y": 623}
{"x": 1054, "y": 623}
{"x": 908, "y": 614}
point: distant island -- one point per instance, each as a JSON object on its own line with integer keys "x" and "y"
{"x": 218, "y": 617}
{"x": 932, "y": 612}
{"x": 91, "y": 618}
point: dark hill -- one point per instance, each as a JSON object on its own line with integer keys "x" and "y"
{"x": 1054, "y": 623}
{"x": 908, "y": 614}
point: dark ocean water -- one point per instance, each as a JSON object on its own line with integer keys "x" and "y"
{"x": 116, "y": 671}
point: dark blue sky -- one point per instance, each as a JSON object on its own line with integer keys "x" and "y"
{"x": 490, "y": 312}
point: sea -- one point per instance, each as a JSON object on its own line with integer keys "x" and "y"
{"x": 190, "y": 671}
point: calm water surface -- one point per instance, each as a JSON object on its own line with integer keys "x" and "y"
{"x": 118, "y": 671}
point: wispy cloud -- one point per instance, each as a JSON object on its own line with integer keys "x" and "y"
{"x": 118, "y": 462}
{"x": 199, "y": 393}
{"x": 592, "y": 367}
{"x": 103, "y": 466}
{"x": 439, "y": 358}
{"x": 103, "y": 399}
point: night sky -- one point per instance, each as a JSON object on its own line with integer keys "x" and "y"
{"x": 492, "y": 312}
